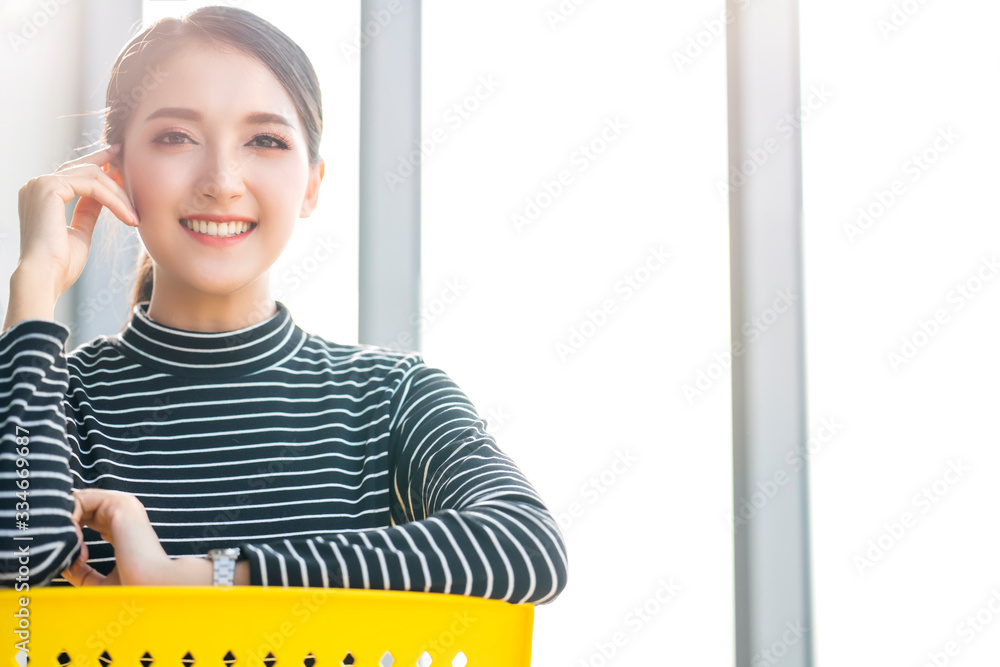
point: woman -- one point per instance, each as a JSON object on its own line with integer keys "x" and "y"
{"x": 212, "y": 420}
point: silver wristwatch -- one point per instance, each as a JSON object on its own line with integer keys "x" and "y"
{"x": 223, "y": 565}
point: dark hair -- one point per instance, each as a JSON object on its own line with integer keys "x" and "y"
{"x": 134, "y": 74}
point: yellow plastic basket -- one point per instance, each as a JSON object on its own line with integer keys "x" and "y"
{"x": 151, "y": 626}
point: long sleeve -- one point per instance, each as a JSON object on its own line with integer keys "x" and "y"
{"x": 37, "y": 538}
{"x": 465, "y": 519}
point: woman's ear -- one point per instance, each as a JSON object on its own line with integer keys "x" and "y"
{"x": 115, "y": 172}
{"x": 312, "y": 189}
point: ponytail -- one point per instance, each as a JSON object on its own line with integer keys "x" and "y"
{"x": 118, "y": 247}
{"x": 144, "y": 280}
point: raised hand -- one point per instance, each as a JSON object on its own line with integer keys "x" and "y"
{"x": 48, "y": 245}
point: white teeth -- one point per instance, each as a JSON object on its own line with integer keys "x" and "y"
{"x": 223, "y": 229}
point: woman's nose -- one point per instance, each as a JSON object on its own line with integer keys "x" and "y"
{"x": 222, "y": 180}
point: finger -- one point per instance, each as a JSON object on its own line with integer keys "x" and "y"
{"x": 84, "y": 554}
{"x": 98, "y": 157}
{"x": 105, "y": 178}
{"x": 84, "y": 550}
{"x": 81, "y": 574}
{"x": 100, "y": 507}
{"x": 117, "y": 187}
{"x": 86, "y": 171}
{"x": 77, "y": 508}
{"x": 87, "y": 185}
{"x": 94, "y": 510}
{"x": 84, "y": 221}
{"x": 77, "y": 573}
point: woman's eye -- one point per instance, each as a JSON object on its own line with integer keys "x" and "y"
{"x": 271, "y": 142}
{"x": 162, "y": 139}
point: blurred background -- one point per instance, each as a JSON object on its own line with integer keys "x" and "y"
{"x": 571, "y": 175}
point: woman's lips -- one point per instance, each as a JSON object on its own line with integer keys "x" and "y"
{"x": 217, "y": 241}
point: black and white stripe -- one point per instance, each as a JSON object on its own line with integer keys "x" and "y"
{"x": 329, "y": 465}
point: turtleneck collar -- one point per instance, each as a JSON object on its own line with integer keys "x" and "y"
{"x": 222, "y": 354}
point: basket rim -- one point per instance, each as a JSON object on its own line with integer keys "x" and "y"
{"x": 249, "y": 593}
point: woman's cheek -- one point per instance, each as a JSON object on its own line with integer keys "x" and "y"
{"x": 153, "y": 187}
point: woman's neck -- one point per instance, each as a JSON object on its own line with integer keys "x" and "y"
{"x": 181, "y": 307}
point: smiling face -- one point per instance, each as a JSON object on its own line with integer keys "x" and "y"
{"x": 217, "y": 138}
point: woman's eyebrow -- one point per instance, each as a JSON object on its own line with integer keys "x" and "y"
{"x": 256, "y": 118}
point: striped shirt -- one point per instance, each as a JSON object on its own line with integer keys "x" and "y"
{"x": 328, "y": 465}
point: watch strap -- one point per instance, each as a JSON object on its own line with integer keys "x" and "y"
{"x": 224, "y": 565}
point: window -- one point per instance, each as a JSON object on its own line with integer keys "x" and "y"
{"x": 900, "y": 264}
{"x": 575, "y": 281}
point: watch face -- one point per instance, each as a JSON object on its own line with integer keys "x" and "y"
{"x": 230, "y": 552}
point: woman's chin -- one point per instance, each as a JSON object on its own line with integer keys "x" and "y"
{"x": 216, "y": 285}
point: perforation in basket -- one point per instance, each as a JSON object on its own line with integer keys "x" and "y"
{"x": 425, "y": 660}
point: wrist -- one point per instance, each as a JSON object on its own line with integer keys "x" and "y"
{"x": 33, "y": 295}
{"x": 242, "y": 577}
{"x": 36, "y": 275}
{"x": 200, "y": 572}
